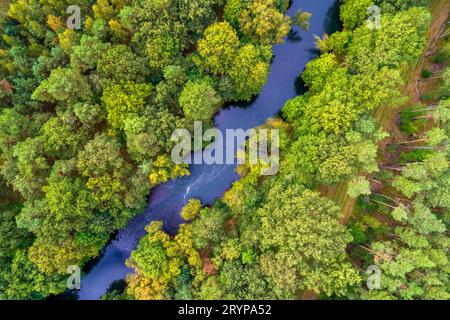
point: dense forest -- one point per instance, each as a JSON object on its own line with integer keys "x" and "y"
{"x": 280, "y": 237}
{"x": 86, "y": 117}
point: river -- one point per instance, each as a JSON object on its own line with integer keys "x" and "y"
{"x": 209, "y": 182}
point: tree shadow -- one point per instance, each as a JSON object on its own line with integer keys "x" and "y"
{"x": 294, "y": 36}
{"x": 332, "y": 22}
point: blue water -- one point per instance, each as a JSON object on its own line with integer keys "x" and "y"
{"x": 209, "y": 182}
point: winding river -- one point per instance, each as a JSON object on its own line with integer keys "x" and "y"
{"x": 208, "y": 182}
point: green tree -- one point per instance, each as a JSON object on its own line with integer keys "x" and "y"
{"x": 61, "y": 138}
{"x": 249, "y": 72}
{"x": 162, "y": 49}
{"x": 119, "y": 64}
{"x": 199, "y": 100}
{"x": 149, "y": 135}
{"x": 24, "y": 281}
{"x": 191, "y": 209}
{"x": 32, "y": 168}
{"x": 207, "y": 228}
{"x": 393, "y": 6}
{"x": 263, "y": 23}
{"x": 168, "y": 90}
{"x": 297, "y": 220}
{"x": 374, "y": 49}
{"x": 232, "y": 12}
{"x": 302, "y": 19}
{"x": 86, "y": 55}
{"x": 63, "y": 85}
{"x": 318, "y": 70}
{"x": 354, "y": 12}
{"x": 358, "y": 186}
{"x": 218, "y": 47}
{"x": 120, "y": 100}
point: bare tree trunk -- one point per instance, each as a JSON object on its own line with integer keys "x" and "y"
{"x": 420, "y": 148}
{"x": 385, "y": 204}
{"x": 413, "y": 141}
{"x": 376, "y": 181}
{"x": 431, "y": 108}
{"x": 399, "y": 169}
{"x": 428, "y": 116}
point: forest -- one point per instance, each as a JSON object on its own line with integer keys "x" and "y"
{"x": 280, "y": 237}
{"x": 86, "y": 118}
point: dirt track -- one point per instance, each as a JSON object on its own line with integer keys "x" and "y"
{"x": 440, "y": 12}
